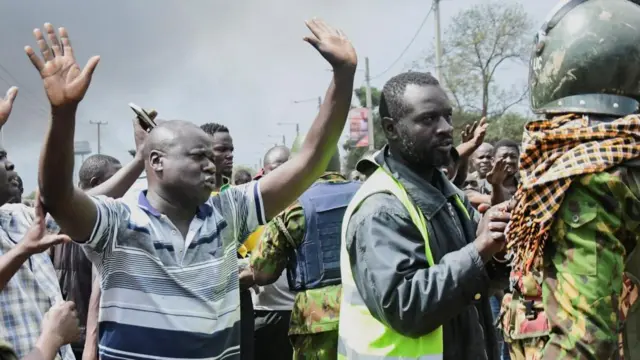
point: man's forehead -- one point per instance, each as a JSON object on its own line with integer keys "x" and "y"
{"x": 222, "y": 137}
{"x": 433, "y": 96}
{"x": 484, "y": 149}
{"x": 506, "y": 149}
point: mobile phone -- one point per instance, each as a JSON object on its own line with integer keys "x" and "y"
{"x": 146, "y": 121}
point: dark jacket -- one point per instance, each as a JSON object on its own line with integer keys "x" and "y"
{"x": 391, "y": 272}
{"x": 74, "y": 274}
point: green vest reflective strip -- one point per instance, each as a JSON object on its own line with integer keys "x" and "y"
{"x": 362, "y": 337}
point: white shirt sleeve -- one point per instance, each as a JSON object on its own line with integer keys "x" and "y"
{"x": 242, "y": 207}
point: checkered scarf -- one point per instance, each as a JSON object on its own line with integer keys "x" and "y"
{"x": 554, "y": 153}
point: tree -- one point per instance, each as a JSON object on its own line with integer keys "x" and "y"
{"x": 31, "y": 196}
{"x": 477, "y": 44}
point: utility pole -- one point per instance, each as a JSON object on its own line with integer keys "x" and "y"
{"x": 367, "y": 76}
{"x": 98, "y": 124}
{"x": 436, "y": 14}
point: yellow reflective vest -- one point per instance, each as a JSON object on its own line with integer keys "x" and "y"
{"x": 361, "y": 336}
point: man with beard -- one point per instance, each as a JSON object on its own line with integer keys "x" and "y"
{"x": 167, "y": 260}
{"x": 574, "y": 231}
{"x": 222, "y": 152}
{"x": 416, "y": 265}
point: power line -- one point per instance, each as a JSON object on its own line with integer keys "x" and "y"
{"x": 424, "y": 21}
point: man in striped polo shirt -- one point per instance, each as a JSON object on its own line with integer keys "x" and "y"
{"x": 167, "y": 258}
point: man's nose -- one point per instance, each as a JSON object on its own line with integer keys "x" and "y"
{"x": 210, "y": 167}
{"x": 9, "y": 165}
{"x": 444, "y": 127}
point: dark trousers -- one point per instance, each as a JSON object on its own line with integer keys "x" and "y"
{"x": 246, "y": 325}
{"x": 272, "y": 335}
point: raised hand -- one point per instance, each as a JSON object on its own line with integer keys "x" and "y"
{"x": 64, "y": 81}
{"x": 139, "y": 133}
{"x": 498, "y": 174}
{"x": 467, "y": 132}
{"x": 61, "y": 321}
{"x": 36, "y": 240}
{"x": 6, "y": 104}
{"x": 332, "y": 44}
{"x": 475, "y": 133}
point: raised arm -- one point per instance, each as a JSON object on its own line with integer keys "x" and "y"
{"x": 35, "y": 241}
{"x": 65, "y": 84}
{"x": 286, "y": 183}
{"x": 120, "y": 182}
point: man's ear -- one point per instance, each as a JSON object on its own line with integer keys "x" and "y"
{"x": 156, "y": 158}
{"x": 94, "y": 182}
{"x": 390, "y": 128}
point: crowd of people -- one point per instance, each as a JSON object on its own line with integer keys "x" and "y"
{"x": 424, "y": 251}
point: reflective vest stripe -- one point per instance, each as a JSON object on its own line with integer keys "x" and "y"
{"x": 345, "y": 353}
{"x": 361, "y": 335}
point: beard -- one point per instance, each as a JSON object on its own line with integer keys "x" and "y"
{"x": 418, "y": 153}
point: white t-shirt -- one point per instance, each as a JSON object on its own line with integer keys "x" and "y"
{"x": 274, "y": 297}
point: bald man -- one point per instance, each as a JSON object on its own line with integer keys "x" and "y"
{"x": 167, "y": 258}
{"x": 476, "y": 186}
{"x": 275, "y": 157}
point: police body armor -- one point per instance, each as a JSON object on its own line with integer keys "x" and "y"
{"x": 317, "y": 260}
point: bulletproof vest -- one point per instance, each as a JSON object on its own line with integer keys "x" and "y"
{"x": 316, "y": 263}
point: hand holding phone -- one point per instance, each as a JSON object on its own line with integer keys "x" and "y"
{"x": 145, "y": 119}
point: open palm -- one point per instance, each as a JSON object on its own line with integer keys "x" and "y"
{"x": 332, "y": 44}
{"x": 65, "y": 83}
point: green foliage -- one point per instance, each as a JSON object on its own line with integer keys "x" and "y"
{"x": 31, "y": 196}
{"x": 480, "y": 42}
{"x": 361, "y": 94}
{"x": 508, "y": 126}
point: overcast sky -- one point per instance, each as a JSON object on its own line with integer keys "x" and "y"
{"x": 239, "y": 63}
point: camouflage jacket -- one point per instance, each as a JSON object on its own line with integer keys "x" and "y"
{"x": 594, "y": 255}
{"x": 316, "y": 310}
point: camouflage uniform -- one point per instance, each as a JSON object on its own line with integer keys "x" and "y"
{"x": 314, "y": 318}
{"x": 573, "y": 234}
{"x": 596, "y": 228}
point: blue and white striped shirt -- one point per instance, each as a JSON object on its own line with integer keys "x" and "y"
{"x": 165, "y": 296}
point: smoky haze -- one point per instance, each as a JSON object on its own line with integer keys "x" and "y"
{"x": 239, "y": 63}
